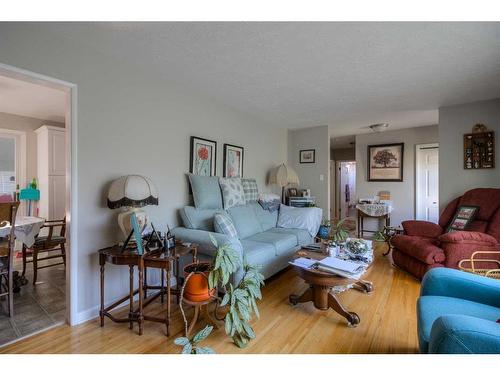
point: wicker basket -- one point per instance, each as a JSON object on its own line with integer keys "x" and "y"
{"x": 473, "y": 265}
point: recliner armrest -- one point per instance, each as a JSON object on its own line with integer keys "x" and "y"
{"x": 421, "y": 228}
{"x": 456, "y": 334}
{"x": 481, "y": 239}
{"x": 449, "y": 282}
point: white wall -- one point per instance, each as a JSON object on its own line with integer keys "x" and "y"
{"x": 402, "y": 193}
{"x": 28, "y": 125}
{"x": 131, "y": 121}
{"x": 310, "y": 174}
{"x": 454, "y": 122}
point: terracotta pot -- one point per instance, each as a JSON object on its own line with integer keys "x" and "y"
{"x": 196, "y": 289}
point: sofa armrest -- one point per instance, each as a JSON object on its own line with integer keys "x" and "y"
{"x": 460, "y": 334}
{"x": 421, "y": 228}
{"x": 202, "y": 238}
{"x": 449, "y": 282}
{"x": 466, "y": 237}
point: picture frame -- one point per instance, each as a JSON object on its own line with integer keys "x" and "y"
{"x": 463, "y": 217}
{"x": 386, "y": 162}
{"x": 307, "y": 156}
{"x": 203, "y": 156}
{"x": 292, "y": 192}
{"x": 233, "y": 160}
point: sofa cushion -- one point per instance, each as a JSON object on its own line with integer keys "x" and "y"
{"x": 232, "y": 192}
{"x": 303, "y": 236}
{"x": 194, "y": 218}
{"x": 245, "y": 221}
{"x": 300, "y": 218}
{"x": 257, "y": 253}
{"x": 430, "y": 308}
{"x": 266, "y": 219}
{"x": 421, "y": 248}
{"x": 206, "y": 191}
{"x": 250, "y": 189}
{"x": 223, "y": 224}
{"x": 282, "y": 242}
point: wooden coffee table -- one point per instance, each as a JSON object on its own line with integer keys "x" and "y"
{"x": 321, "y": 285}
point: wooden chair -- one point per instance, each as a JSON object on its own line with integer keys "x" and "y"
{"x": 8, "y": 212}
{"x": 47, "y": 244}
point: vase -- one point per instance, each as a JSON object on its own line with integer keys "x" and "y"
{"x": 196, "y": 288}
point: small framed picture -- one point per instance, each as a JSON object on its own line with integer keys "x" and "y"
{"x": 307, "y": 156}
{"x": 462, "y": 219}
{"x": 385, "y": 162}
{"x": 292, "y": 192}
{"x": 203, "y": 157}
{"x": 233, "y": 161}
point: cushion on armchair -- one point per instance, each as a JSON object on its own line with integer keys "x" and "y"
{"x": 421, "y": 228}
{"x": 466, "y": 237}
{"x": 421, "y": 248}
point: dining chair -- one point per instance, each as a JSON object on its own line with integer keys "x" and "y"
{"x": 47, "y": 244}
{"x": 8, "y": 212}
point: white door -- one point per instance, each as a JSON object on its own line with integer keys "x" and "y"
{"x": 427, "y": 184}
{"x": 57, "y": 191}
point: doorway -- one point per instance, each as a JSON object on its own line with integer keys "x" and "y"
{"x": 48, "y": 301}
{"x": 346, "y": 189}
{"x": 427, "y": 182}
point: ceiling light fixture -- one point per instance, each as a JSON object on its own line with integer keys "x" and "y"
{"x": 379, "y": 127}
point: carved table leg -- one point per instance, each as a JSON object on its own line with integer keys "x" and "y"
{"x": 335, "y": 304}
{"x": 140, "y": 318}
{"x": 131, "y": 296}
{"x": 363, "y": 286}
{"x": 101, "y": 312}
{"x": 305, "y": 297}
{"x": 169, "y": 276}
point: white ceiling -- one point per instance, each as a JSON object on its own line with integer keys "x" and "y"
{"x": 345, "y": 75}
{"x": 31, "y": 100}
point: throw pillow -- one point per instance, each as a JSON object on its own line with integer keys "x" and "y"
{"x": 232, "y": 192}
{"x": 206, "y": 191}
{"x": 223, "y": 224}
{"x": 250, "y": 189}
{"x": 462, "y": 219}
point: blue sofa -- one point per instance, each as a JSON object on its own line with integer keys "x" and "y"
{"x": 458, "y": 312}
{"x": 259, "y": 240}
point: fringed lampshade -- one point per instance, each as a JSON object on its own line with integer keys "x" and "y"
{"x": 283, "y": 175}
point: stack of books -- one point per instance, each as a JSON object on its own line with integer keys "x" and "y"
{"x": 345, "y": 268}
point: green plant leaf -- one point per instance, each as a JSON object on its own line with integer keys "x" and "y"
{"x": 187, "y": 349}
{"x": 204, "y": 350}
{"x": 228, "y": 324}
{"x": 181, "y": 341}
{"x": 242, "y": 308}
{"x": 225, "y": 299}
{"x": 248, "y": 330}
{"x": 203, "y": 334}
{"x": 255, "y": 309}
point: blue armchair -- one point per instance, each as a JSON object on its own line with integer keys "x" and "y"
{"x": 458, "y": 312}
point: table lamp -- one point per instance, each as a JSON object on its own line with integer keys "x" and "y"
{"x": 283, "y": 175}
{"x": 131, "y": 193}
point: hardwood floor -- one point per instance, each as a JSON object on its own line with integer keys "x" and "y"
{"x": 388, "y": 324}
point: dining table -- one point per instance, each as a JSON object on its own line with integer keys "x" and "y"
{"x": 26, "y": 229}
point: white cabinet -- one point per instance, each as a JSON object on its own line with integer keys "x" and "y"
{"x": 51, "y": 143}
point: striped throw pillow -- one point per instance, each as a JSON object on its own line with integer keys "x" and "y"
{"x": 223, "y": 224}
{"x": 250, "y": 189}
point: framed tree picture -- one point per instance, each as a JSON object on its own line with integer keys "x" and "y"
{"x": 233, "y": 161}
{"x": 203, "y": 158}
{"x": 385, "y": 162}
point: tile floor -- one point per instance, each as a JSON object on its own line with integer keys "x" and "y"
{"x": 36, "y": 307}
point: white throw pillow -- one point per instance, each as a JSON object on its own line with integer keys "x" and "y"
{"x": 232, "y": 192}
{"x": 308, "y": 218}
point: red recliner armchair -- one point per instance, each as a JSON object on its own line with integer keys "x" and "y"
{"x": 426, "y": 245}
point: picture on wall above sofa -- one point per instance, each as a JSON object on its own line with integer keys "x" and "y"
{"x": 385, "y": 162}
{"x": 233, "y": 161}
{"x": 203, "y": 157}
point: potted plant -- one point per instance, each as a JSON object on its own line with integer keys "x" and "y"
{"x": 338, "y": 233}
{"x": 324, "y": 229}
{"x": 196, "y": 287}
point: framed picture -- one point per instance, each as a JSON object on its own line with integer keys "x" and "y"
{"x": 462, "y": 219}
{"x": 203, "y": 158}
{"x": 385, "y": 162}
{"x": 292, "y": 192}
{"x": 233, "y": 161}
{"x": 307, "y": 156}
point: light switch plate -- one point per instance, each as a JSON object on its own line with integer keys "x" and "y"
{"x": 321, "y": 177}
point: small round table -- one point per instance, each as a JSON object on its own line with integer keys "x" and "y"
{"x": 321, "y": 285}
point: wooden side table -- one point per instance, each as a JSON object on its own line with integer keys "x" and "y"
{"x": 361, "y": 222}
{"x": 153, "y": 259}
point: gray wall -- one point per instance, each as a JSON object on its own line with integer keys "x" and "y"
{"x": 402, "y": 193}
{"x": 131, "y": 121}
{"x": 310, "y": 174}
{"x": 343, "y": 154}
{"x": 454, "y": 122}
{"x": 28, "y": 125}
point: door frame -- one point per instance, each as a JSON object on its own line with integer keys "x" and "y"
{"x": 20, "y": 138}
{"x": 419, "y": 147}
{"x": 337, "y": 184}
{"x": 71, "y": 125}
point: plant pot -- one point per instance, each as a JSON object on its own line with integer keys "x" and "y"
{"x": 196, "y": 288}
{"x": 324, "y": 231}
